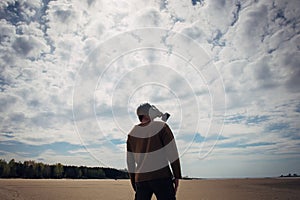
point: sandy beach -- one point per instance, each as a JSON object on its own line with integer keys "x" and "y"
{"x": 268, "y": 188}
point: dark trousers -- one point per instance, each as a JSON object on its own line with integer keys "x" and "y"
{"x": 162, "y": 188}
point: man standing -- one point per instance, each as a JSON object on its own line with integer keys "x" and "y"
{"x": 151, "y": 149}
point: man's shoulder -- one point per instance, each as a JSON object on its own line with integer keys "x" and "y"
{"x": 144, "y": 131}
{"x": 133, "y": 130}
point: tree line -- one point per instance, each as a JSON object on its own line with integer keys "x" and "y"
{"x": 290, "y": 175}
{"x": 38, "y": 170}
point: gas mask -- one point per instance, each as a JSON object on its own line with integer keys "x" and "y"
{"x": 154, "y": 112}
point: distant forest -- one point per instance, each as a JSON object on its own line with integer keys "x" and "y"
{"x": 38, "y": 170}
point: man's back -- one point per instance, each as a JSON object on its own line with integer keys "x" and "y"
{"x": 150, "y": 155}
{"x": 151, "y": 148}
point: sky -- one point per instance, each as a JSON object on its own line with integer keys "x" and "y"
{"x": 72, "y": 74}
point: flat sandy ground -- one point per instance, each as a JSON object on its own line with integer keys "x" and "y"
{"x": 231, "y": 189}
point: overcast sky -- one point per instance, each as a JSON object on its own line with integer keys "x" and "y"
{"x": 73, "y": 72}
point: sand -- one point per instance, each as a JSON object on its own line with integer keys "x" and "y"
{"x": 269, "y": 188}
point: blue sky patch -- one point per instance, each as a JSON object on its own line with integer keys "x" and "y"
{"x": 35, "y": 150}
{"x": 298, "y": 109}
{"x": 257, "y": 119}
{"x": 235, "y": 119}
{"x": 118, "y": 141}
{"x": 277, "y": 127}
{"x": 241, "y": 145}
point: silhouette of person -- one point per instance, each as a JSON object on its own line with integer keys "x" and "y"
{"x": 151, "y": 150}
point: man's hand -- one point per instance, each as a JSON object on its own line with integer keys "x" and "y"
{"x": 176, "y": 184}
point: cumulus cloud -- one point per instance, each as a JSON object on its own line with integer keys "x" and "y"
{"x": 28, "y": 46}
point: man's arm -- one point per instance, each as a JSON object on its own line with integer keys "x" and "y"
{"x": 131, "y": 166}
{"x": 176, "y": 173}
{"x": 176, "y": 169}
{"x": 172, "y": 152}
{"x": 173, "y": 157}
{"x": 132, "y": 180}
{"x": 176, "y": 184}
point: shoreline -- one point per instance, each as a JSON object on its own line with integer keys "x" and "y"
{"x": 214, "y": 189}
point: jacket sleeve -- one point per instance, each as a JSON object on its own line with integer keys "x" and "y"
{"x": 172, "y": 152}
{"x": 130, "y": 165}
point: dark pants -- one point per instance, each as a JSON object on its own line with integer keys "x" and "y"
{"x": 162, "y": 188}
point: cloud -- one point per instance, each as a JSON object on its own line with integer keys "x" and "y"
{"x": 28, "y": 46}
{"x": 150, "y": 17}
{"x": 244, "y": 54}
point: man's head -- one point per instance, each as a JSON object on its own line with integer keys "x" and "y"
{"x": 143, "y": 110}
{"x": 148, "y": 112}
